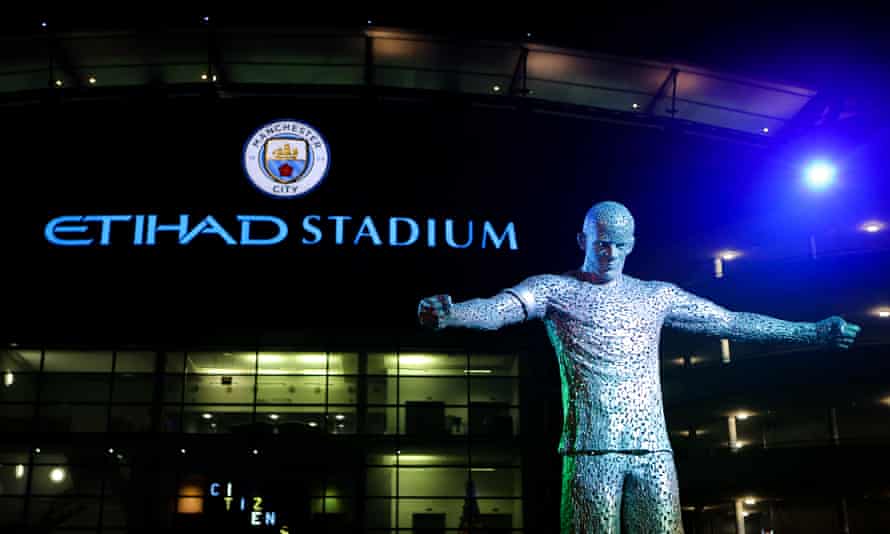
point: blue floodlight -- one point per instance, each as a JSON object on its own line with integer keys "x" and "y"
{"x": 819, "y": 175}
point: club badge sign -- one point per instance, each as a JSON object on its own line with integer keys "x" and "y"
{"x": 286, "y": 158}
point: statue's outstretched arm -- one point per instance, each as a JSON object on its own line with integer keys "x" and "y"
{"x": 527, "y": 300}
{"x": 697, "y": 315}
{"x": 483, "y": 314}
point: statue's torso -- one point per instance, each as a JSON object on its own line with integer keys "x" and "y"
{"x": 606, "y": 339}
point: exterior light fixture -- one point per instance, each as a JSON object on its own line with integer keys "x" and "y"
{"x": 635, "y": 106}
{"x": 496, "y": 88}
{"x": 741, "y": 416}
{"x": 339, "y": 417}
{"x": 181, "y": 451}
{"x": 750, "y": 501}
{"x": 764, "y": 130}
{"x": 8, "y": 378}
{"x": 58, "y": 83}
{"x": 204, "y": 77}
{"x": 37, "y": 450}
{"x": 92, "y": 80}
{"x": 110, "y": 451}
{"x": 255, "y": 452}
{"x": 313, "y": 424}
{"x": 43, "y": 24}
{"x": 872, "y": 227}
{"x": 19, "y": 471}
{"x": 57, "y": 475}
{"x": 274, "y": 416}
{"x": 207, "y": 416}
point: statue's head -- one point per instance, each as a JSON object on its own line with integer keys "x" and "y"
{"x": 606, "y": 238}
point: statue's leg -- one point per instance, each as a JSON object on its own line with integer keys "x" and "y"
{"x": 591, "y": 494}
{"x": 652, "y": 496}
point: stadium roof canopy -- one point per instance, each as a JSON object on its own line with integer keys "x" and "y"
{"x": 237, "y": 61}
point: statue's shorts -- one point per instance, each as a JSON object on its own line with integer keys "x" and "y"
{"x": 620, "y": 492}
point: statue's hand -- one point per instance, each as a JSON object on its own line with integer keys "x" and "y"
{"x": 836, "y": 332}
{"x": 432, "y": 311}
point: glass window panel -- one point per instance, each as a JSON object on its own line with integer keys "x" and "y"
{"x": 291, "y": 389}
{"x": 417, "y": 364}
{"x": 80, "y": 512}
{"x": 417, "y": 512}
{"x": 219, "y": 388}
{"x": 380, "y": 482}
{"x": 13, "y": 455}
{"x": 175, "y": 362}
{"x": 494, "y": 365}
{"x": 12, "y": 510}
{"x": 380, "y": 420}
{"x": 342, "y": 389}
{"x": 447, "y": 390}
{"x": 421, "y": 364}
{"x": 331, "y": 514}
{"x": 501, "y": 513}
{"x": 130, "y": 419}
{"x": 427, "y": 456}
{"x": 13, "y": 478}
{"x": 135, "y": 362}
{"x": 494, "y": 389}
{"x": 173, "y": 388}
{"x": 73, "y": 418}
{"x": 221, "y": 363}
{"x": 341, "y": 419}
{"x": 20, "y": 360}
{"x": 493, "y": 419}
{"x": 114, "y": 514}
{"x": 217, "y": 419}
{"x": 381, "y": 390}
{"x": 18, "y": 387}
{"x": 133, "y": 388}
{"x": 380, "y": 513}
{"x": 16, "y": 418}
{"x": 74, "y": 361}
{"x": 495, "y": 455}
{"x": 340, "y": 483}
{"x": 381, "y": 363}
{"x": 292, "y": 419}
{"x": 432, "y": 481}
{"x": 343, "y": 363}
{"x": 432, "y": 419}
{"x": 308, "y": 363}
{"x": 59, "y": 387}
{"x": 171, "y": 418}
{"x": 799, "y": 425}
{"x": 59, "y": 479}
{"x": 497, "y": 481}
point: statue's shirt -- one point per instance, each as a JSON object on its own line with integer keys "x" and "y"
{"x": 606, "y": 338}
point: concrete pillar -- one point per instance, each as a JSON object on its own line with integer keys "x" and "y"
{"x": 832, "y": 423}
{"x": 733, "y": 434}
{"x": 724, "y": 351}
{"x": 739, "y": 517}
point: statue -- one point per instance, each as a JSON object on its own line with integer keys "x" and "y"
{"x": 618, "y": 466}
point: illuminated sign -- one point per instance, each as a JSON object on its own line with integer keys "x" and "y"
{"x": 286, "y": 158}
{"x": 266, "y": 230}
{"x": 253, "y": 506}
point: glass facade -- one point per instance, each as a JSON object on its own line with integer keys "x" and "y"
{"x": 269, "y": 439}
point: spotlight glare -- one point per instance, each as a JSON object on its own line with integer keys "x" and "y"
{"x": 255, "y": 452}
{"x": 57, "y": 475}
{"x": 92, "y": 80}
{"x": 207, "y": 415}
{"x": 19, "y": 471}
{"x": 729, "y": 255}
{"x": 43, "y": 24}
{"x": 496, "y": 88}
{"x": 883, "y": 314}
{"x": 750, "y": 501}
{"x": 58, "y": 83}
{"x": 872, "y": 227}
{"x": 313, "y": 424}
{"x": 339, "y": 417}
{"x": 635, "y": 106}
{"x": 820, "y": 175}
{"x": 764, "y": 130}
{"x": 181, "y": 451}
{"x": 274, "y": 416}
{"x": 203, "y": 76}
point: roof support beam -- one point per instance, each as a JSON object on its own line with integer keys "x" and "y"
{"x": 671, "y": 78}
{"x": 519, "y": 83}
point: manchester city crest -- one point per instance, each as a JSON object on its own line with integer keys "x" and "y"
{"x": 286, "y": 158}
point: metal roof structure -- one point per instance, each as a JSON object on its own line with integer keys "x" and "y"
{"x": 241, "y": 60}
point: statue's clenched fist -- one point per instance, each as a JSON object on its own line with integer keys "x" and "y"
{"x": 432, "y": 311}
{"x": 837, "y": 333}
